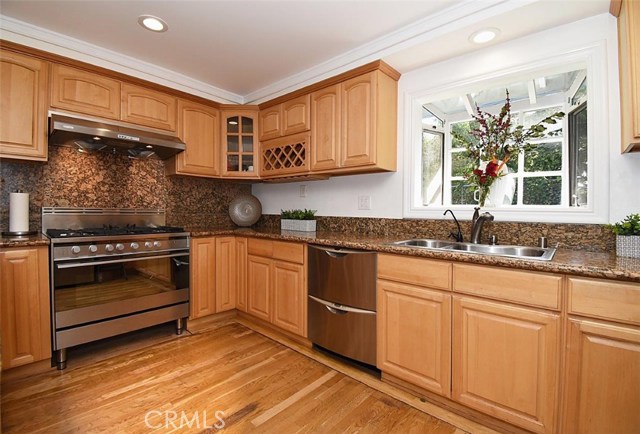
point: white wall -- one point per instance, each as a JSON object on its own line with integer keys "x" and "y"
{"x": 339, "y": 196}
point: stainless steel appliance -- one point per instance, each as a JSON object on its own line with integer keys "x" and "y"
{"x": 342, "y": 301}
{"x": 113, "y": 271}
{"x": 92, "y": 135}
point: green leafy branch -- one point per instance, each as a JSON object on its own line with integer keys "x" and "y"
{"x": 298, "y": 214}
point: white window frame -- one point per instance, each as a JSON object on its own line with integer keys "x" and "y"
{"x": 592, "y": 58}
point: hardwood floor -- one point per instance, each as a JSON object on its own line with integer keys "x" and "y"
{"x": 222, "y": 371}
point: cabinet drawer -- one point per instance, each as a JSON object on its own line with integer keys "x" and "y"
{"x": 284, "y": 251}
{"x": 526, "y": 287}
{"x": 415, "y": 271}
{"x": 617, "y": 301}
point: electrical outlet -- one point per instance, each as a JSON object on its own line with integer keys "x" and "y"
{"x": 303, "y": 191}
{"x": 364, "y": 202}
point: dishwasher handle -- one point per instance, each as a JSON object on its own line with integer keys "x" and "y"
{"x": 338, "y": 252}
{"x": 339, "y": 309}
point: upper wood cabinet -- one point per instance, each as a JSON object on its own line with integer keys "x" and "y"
{"x": 285, "y": 156}
{"x": 366, "y": 126}
{"x": 148, "y": 107}
{"x": 24, "y": 306}
{"x": 325, "y": 128}
{"x": 23, "y": 106}
{"x": 203, "y": 277}
{"x": 505, "y": 362}
{"x": 85, "y": 92}
{"x": 199, "y": 128}
{"x": 240, "y": 143}
{"x": 629, "y": 59}
{"x": 286, "y": 118}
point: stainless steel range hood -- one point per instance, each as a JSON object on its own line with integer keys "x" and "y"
{"x": 92, "y": 135}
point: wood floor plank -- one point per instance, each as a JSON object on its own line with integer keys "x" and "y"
{"x": 173, "y": 385}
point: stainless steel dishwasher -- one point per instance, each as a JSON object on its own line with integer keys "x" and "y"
{"x": 342, "y": 301}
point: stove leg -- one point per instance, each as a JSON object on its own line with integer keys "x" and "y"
{"x": 181, "y": 325}
{"x": 61, "y": 359}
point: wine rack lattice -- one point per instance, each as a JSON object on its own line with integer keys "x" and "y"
{"x": 279, "y": 157}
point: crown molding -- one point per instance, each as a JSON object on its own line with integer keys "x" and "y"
{"x": 36, "y": 37}
{"x": 455, "y": 17}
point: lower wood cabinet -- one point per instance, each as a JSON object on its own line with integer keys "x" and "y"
{"x": 414, "y": 335}
{"x": 226, "y": 276}
{"x": 203, "y": 277}
{"x": 276, "y": 288}
{"x": 506, "y": 361}
{"x": 24, "y": 306}
{"x": 241, "y": 256}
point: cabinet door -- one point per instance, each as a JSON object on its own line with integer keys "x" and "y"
{"x": 414, "y": 335}
{"x": 325, "y": 128}
{"x": 226, "y": 273}
{"x": 506, "y": 361}
{"x": 241, "y": 260}
{"x": 629, "y": 59}
{"x": 239, "y": 144}
{"x": 84, "y": 92}
{"x": 148, "y": 107}
{"x": 289, "y": 298}
{"x": 24, "y": 301}
{"x": 259, "y": 287}
{"x": 295, "y": 115}
{"x": 199, "y": 128}
{"x": 602, "y": 378}
{"x": 271, "y": 122}
{"x": 203, "y": 277}
{"x": 358, "y": 145}
{"x": 23, "y": 107}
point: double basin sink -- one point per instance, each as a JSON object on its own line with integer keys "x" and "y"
{"x": 521, "y": 252}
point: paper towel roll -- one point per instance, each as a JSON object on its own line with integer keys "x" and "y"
{"x": 19, "y": 212}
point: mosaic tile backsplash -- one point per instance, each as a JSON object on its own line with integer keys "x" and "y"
{"x": 72, "y": 179}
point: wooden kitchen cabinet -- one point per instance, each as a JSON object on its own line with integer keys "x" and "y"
{"x": 241, "y": 257}
{"x": 25, "y": 313}
{"x": 285, "y": 156}
{"x": 506, "y": 361}
{"x": 602, "y": 378}
{"x": 199, "y": 128}
{"x": 414, "y": 335}
{"x": 85, "y": 92}
{"x": 143, "y": 106}
{"x": 23, "y": 106}
{"x": 226, "y": 265}
{"x": 629, "y": 62}
{"x": 325, "y": 128}
{"x": 366, "y": 127}
{"x": 203, "y": 277}
{"x": 277, "y": 285}
{"x": 240, "y": 142}
{"x": 289, "y": 117}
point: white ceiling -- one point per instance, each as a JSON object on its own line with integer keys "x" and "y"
{"x": 250, "y": 51}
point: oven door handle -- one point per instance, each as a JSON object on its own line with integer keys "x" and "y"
{"x": 115, "y": 261}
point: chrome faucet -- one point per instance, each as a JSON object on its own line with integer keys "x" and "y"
{"x": 458, "y": 236}
{"x": 477, "y": 222}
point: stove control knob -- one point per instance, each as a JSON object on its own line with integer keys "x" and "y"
{"x": 93, "y": 248}
{"x": 109, "y": 247}
{"x": 75, "y": 250}
{"x": 119, "y": 246}
{"x": 134, "y": 246}
{"x": 156, "y": 244}
{"x": 148, "y": 244}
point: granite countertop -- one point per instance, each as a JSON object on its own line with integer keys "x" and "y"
{"x": 29, "y": 241}
{"x": 575, "y": 262}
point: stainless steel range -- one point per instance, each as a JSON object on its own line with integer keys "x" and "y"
{"x": 113, "y": 271}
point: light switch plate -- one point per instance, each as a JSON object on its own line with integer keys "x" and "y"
{"x": 364, "y": 202}
{"x": 303, "y": 191}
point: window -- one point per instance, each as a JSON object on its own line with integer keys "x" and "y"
{"x": 554, "y": 173}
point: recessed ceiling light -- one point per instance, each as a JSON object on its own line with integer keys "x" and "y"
{"x": 152, "y": 23}
{"x": 483, "y": 36}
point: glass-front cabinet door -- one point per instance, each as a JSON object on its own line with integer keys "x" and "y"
{"x": 240, "y": 143}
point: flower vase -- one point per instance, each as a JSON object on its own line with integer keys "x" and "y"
{"x": 502, "y": 190}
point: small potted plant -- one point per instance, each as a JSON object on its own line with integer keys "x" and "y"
{"x": 298, "y": 220}
{"x": 627, "y": 236}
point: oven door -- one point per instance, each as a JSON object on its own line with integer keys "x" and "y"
{"x": 95, "y": 289}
